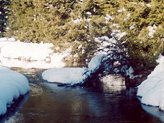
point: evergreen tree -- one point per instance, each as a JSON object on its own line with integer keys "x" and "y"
{"x": 73, "y": 23}
{"x": 3, "y": 15}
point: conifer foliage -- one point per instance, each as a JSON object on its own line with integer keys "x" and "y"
{"x": 3, "y": 15}
{"x": 77, "y": 23}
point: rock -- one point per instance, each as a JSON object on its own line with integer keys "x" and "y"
{"x": 35, "y": 89}
{"x": 113, "y": 81}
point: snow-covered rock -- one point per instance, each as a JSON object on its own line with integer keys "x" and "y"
{"x": 151, "y": 90}
{"x": 12, "y": 85}
{"x": 65, "y": 75}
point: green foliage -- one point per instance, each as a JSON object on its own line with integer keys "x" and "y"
{"x": 3, "y": 15}
{"x": 54, "y": 21}
{"x": 68, "y": 23}
{"x": 135, "y": 17}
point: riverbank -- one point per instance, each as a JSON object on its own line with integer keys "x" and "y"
{"x": 49, "y": 102}
{"x": 66, "y": 104}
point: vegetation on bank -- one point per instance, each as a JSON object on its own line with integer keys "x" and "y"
{"x": 76, "y": 23}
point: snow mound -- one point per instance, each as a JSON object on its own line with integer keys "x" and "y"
{"x": 73, "y": 75}
{"x": 65, "y": 75}
{"x": 30, "y": 55}
{"x": 12, "y": 85}
{"x": 151, "y": 90}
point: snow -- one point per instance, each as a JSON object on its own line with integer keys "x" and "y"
{"x": 121, "y": 10}
{"x": 77, "y": 21}
{"x": 73, "y": 75}
{"x": 151, "y": 90}
{"x": 65, "y": 75}
{"x": 105, "y": 39}
{"x": 151, "y": 30}
{"x": 88, "y": 13}
{"x": 160, "y": 59}
{"x": 130, "y": 72}
{"x": 30, "y": 55}
{"x": 103, "y": 43}
{"x": 18, "y": 49}
{"x": 132, "y": 26}
{"x": 12, "y": 85}
{"x": 108, "y": 17}
{"x": 118, "y": 34}
{"x": 95, "y": 63}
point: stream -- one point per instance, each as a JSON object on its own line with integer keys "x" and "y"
{"x": 49, "y": 103}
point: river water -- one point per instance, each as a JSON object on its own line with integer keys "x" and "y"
{"x": 53, "y": 104}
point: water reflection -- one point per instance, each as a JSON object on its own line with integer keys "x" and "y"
{"x": 81, "y": 105}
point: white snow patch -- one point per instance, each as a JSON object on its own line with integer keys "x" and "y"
{"x": 65, "y": 75}
{"x": 127, "y": 17}
{"x": 151, "y": 30}
{"x": 160, "y": 59}
{"x": 89, "y": 13}
{"x": 149, "y": 5}
{"x": 132, "y": 26}
{"x": 118, "y": 34}
{"x": 151, "y": 90}
{"x": 108, "y": 17}
{"x": 103, "y": 43}
{"x": 95, "y": 63}
{"x": 73, "y": 75}
{"x": 106, "y": 39}
{"x": 28, "y": 51}
{"x": 77, "y": 21}
{"x": 130, "y": 72}
{"x": 12, "y": 85}
{"x": 121, "y": 10}
{"x": 30, "y": 55}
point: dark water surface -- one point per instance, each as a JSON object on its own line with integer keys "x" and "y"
{"x": 80, "y": 105}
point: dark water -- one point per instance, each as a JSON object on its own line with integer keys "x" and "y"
{"x": 81, "y": 105}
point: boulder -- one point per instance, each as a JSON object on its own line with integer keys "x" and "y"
{"x": 113, "y": 82}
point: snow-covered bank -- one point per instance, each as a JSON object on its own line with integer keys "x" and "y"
{"x": 151, "y": 90}
{"x": 65, "y": 75}
{"x": 73, "y": 75}
{"x": 30, "y": 55}
{"x": 12, "y": 85}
